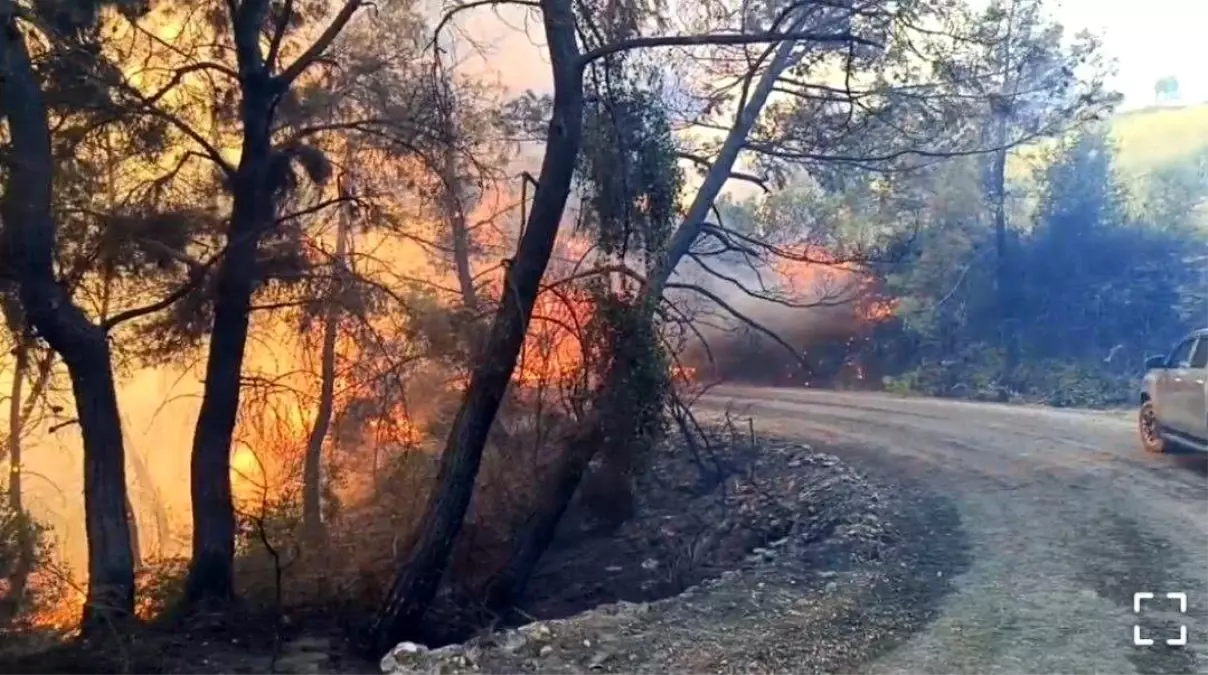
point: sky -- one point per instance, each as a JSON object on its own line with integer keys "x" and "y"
{"x": 1149, "y": 40}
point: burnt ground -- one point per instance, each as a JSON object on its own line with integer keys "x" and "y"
{"x": 795, "y": 562}
{"x": 790, "y": 561}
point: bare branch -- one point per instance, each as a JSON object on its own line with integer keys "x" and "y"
{"x": 740, "y": 316}
{"x": 197, "y": 274}
{"x": 274, "y": 46}
{"x": 165, "y": 302}
{"x": 320, "y": 45}
{"x": 762, "y": 183}
{"x": 320, "y": 206}
{"x": 597, "y": 271}
{"x": 149, "y": 106}
{"x": 473, "y": 4}
{"x": 719, "y": 39}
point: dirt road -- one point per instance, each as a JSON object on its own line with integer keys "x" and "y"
{"x": 1064, "y": 517}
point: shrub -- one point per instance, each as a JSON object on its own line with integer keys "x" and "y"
{"x": 979, "y": 373}
{"x": 31, "y": 580}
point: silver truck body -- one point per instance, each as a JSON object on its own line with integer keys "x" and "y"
{"x": 1174, "y": 396}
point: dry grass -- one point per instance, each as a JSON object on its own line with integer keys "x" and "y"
{"x": 1147, "y": 139}
{"x": 1152, "y": 138}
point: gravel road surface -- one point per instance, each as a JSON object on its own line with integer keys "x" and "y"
{"x": 1065, "y": 519}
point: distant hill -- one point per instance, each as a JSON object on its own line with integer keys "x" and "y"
{"x": 1147, "y": 139}
{"x": 1151, "y": 138}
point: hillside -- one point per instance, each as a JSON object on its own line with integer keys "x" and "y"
{"x": 1147, "y": 139}
{"x": 1151, "y": 138}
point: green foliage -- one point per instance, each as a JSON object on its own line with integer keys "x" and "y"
{"x": 978, "y": 372}
{"x": 630, "y": 181}
{"x": 1166, "y": 88}
{"x": 631, "y": 401}
{"x": 631, "y": 174}
{"x": 1095, "y": 278}
{"x": 636, "y": 368}
{"x": 1080, "y": 384}
{"x": 973, "y": 372}
{"x": 1101, "y": 279}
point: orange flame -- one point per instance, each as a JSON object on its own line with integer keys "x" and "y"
{"x": 815, "y": 273}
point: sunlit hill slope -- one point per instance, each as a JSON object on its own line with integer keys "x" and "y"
{"x": 1151, "y": 138}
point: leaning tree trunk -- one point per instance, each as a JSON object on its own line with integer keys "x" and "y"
{"x": 416, "y": 584}
{"x": 29, "y": 237}
{"x": 509, "y": 584}
{"x": 211, "y": 572}
{"x": 106, "y": 297}
{"x": 312, "y": 470}
{"x": 508, "y": 587}
{"x": 85, "y": 350}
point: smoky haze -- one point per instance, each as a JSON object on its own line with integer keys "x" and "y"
{"x": 789, "y": 311}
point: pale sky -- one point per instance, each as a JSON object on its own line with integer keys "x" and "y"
{"x": 1149, "y": 39}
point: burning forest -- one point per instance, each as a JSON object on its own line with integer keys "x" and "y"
{"x": 311, "y": 316}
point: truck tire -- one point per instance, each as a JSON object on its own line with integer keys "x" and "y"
{"x": 1147, "y": 425}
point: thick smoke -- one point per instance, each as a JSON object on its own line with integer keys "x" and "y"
{"x": 777, "y": 322}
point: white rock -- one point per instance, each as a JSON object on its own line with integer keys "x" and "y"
{"x": 513, "y": 642}
{"x": 598, "y": 660}
{"x": 538, "y": 630}
{"x": 390, "y": 662}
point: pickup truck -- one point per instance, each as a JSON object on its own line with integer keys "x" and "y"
{"x": 1174, "y": 397}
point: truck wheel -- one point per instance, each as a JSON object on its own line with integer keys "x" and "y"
{"x": 1151, "y": 439}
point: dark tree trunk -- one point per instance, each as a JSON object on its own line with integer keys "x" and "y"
{"x": 136, "y": 551}
{"x": 535, "y": 538}
{"x": 416, "y": 584}
{"x": 312, "y": 470}
{"x": 19, "y": 578}
{"x": 538, "y": 533}
{"x": 29, "y": 237}
{"x": 1000, "y": 109}
{"x": 111, "y": 567}
{"x": 1002, "y": 262}
{"x": 211, "y": 573}
{"x": 254, "y": 183}
{"x": 604, "y": 431}
{"x": 459, "y": 229}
